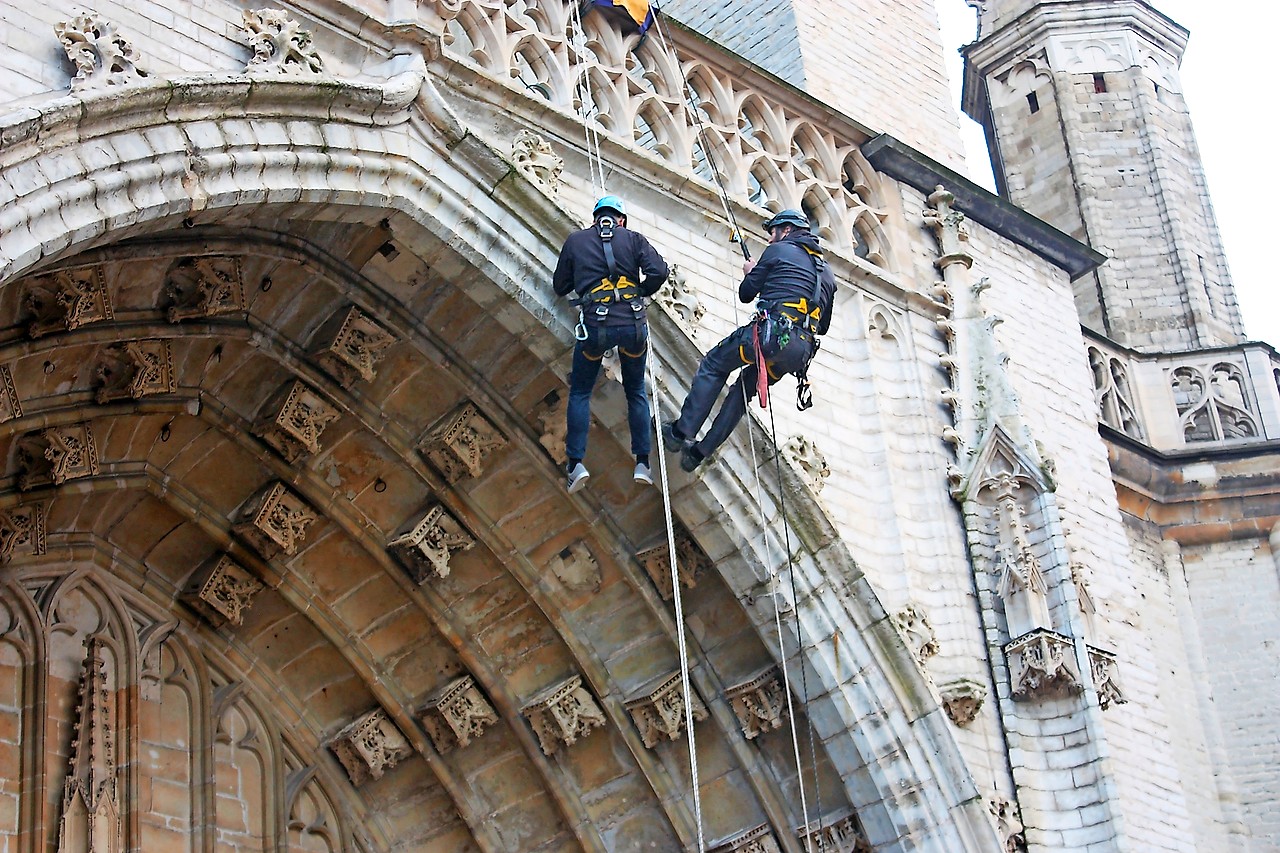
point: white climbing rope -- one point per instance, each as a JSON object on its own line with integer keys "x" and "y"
{"x": 586, "y": 98}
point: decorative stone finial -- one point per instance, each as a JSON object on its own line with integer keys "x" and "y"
{"x": 66, "y": 300}
{"x": 691, "y": 563}
{"x": 913, "y": 623}
{"x": 102, "y": 57}
{"x": 293, "y": 420}
{"x": 802, "y": 452}
{"x": 22, "y": 529}
{"x": 206, "y": 286}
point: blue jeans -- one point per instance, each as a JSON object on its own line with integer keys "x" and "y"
{"x": 632, "y": 342}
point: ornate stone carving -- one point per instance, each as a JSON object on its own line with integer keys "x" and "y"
{"x": 842, "y": 835}
{"x": 222, "y": 591}
{"x": 1042, "y": 665}
{"x": 66, "y": 300}
{"x": 563, "y": 714}
{"x": 1114, "y": 396}
{"x": 279, "y": 44}
{"x": 1008, "y": 826}
{"x": 370, "y": 746}
{"x": 681, "y": 301}
{"x": 56, "y": 454}
{"x": 275, "y": 520}
{"x": 759, "y": 704}
{"x": 101, "y": 55}
{"x": 660, "y": 713}
{"x": 805, "y": 455}
{"x": 134, "y": 369}
{"x": 1103, "y": 666}
{"x": 576, "y": 567}
{"x": 10, "y": 405}
{"x": 758, "y": 840}
{"x": 913, "y": 623}
{"x": 948, "y": 224}
{"x": 690, "y": 563}
{"x": 90, "y": 801}
{"x": 457, "y": 714}
{"x": 536, "y": 161}
{"x": 353, "y": 351}
{"x": 962, "y": 698}
{"x": 457, "y": 445}
{"x": 22, "y": 529}
{"x": 425, "y": 548}
{"x": 293, "y": 420}
{"x": 204, "y": 286}
{"x": 553, "y": 426}
{"x": 1215, "y": 401}
{"x": 1022, "y": 586}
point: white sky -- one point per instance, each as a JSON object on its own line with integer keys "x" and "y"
{"x": 1226, "y": 74}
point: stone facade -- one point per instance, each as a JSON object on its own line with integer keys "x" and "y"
{"x": 287, "y": 560}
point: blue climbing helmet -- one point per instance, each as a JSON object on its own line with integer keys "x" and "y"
{"x": 607, "y": 203}
{"x": 789, "y": 216}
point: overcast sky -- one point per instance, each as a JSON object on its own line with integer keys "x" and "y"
{"x": 1225, "y": 73}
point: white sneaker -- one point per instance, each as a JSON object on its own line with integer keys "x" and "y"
{"x": 578, "y": 477}
{"x": 642, "y": 474}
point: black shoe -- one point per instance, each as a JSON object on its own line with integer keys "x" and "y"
{"x": 670, "y": 440}
{"x": 690, "y": 458}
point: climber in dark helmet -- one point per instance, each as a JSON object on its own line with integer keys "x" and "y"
{"x": 612, "y": 270}
{"x": 794, "y": 290}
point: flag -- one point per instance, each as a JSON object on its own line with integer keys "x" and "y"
{"x": 637, "y": 13}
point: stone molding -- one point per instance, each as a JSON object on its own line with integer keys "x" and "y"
{"x": 101, "y": 56}
{"x": 691, "y": 563}
{"x": 370, "y": 746}
{"x": 130, "y": 370}
{"x": 457, "y": 714}
{"x": 352, "y": 350}
{"x": 759, "y": 703}
{"x": 279, "y": 45}
{"x": 22, "y": 528}
{"x": 197, "y": 288}
{"x": 293, "y": 420}
{"x": 962, "y": 699}
{"x": 660, "y": 713}
{"x": 563, "y": 714}
{"x": 425, "y": 548}
{"x": 276, "y": 521}
{"x": 1042, "y": 665}
{"x": 758, "y": 840}
{"x": 222, "y": 591}
{"x": 66, "y": 300}
{"x": 459, "y": 444}
{"x": 53, "y": 455}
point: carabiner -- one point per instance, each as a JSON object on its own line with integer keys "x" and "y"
{"x": 580, "y": 330}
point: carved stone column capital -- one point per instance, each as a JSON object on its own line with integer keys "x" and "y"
{"x": 456, "y": 714}
{"x": 962, "y": 699}
{"x": 424, "y": 548}
{"x": 222, "y": 591}
{"x": 1042, "y": 664}
{"x": 293, "y": 420}
{"x": 275, "y": 521}
{"x": 458, "y": 445}
{"x": 562, "y": 714}
{"x": 660, "y": 713}
{"x": 56, "y": 454}
{"x": 691, "y": 563}
{"x": 370, "y": 746}
{"x": 759, "y": 704}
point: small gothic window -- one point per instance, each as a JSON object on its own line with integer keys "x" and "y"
{"x": 1033, "y": 102}
{"x": 1099, "y": 83}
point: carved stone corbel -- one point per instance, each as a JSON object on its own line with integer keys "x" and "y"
{"x": 457, "y": 714}
{"x": 913, "y": 623}
{"x": 66, "y": 300}
{"x": 134, "y": 369}
{"x": 222, "y": 591}
{"x": 102, "y": 57}
{"x": 275, "y": 521}
{"x": 839, "y": 835}
{"x": 759, "y": 704}
{"x": 803, "y": 453}
{"x": 352, "y": 350}
{"x": 691, "y": 563}
{"x": 10, "y": 405}
{"x": 458, "y": 445}
{"x": 660, "y": 713}
{"x": 1042, "y": 665}
{"x": 535, "y": 160}
{"x": 681, "y": 301}
{"x": 563, "y": 714}
{"x": 293, "y": 419}
{"x": 279, "y": 44}
{"x": 205, "y": 286}
{"x": 22, "y": 529}
{"x": 424, "y": 549}
{"x": 1103, "y": 666}
{"x": 56, "y": 454}
{"x": 962, "y": 699}
{"x": 758, "y": 840}
{"x": 370, "y": 746}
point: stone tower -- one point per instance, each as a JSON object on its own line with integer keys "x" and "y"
{"x": 1088, "y": 129}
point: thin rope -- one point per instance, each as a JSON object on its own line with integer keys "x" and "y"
{"x": 587, "y": 101}
{"x": 679, "y": 610}
{"x": 694, "y": 112}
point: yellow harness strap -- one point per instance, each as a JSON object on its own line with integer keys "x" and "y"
{"x": 623, "y": 289}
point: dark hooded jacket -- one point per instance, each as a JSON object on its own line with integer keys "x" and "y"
{"x": 582, "y": 266}
{"x": 788, "y": 272}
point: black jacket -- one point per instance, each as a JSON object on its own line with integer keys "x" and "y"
{"x": 786, "y": 272}
{"x": 582, "y": 266}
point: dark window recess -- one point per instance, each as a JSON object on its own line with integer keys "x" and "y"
{"x": 1099, "y": 83}
{"x": 1033, "y": 102}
